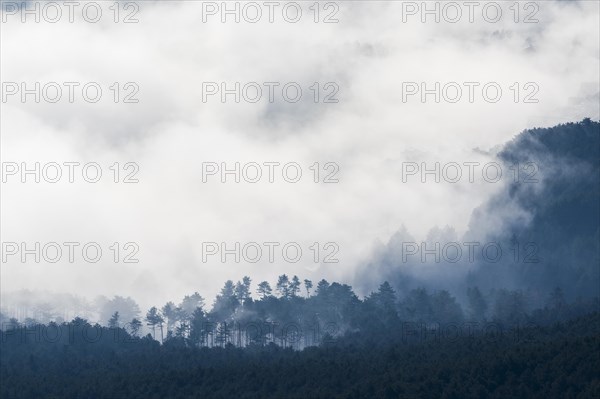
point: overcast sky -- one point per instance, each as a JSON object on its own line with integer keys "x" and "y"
{"x": 366, "y": 56}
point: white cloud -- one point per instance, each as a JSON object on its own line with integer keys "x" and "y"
{"x": 369, "y": 133}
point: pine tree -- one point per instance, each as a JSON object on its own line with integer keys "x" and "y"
{"x": 135, "y": 327}
{"x": 153, "y": 318}
{"x": 294, "y": 286}
{"x": 114, "y": 320}
{"x": 242, "y": 289}
{"x": 283, "y": 286}
{"x": 264, "y": 290}
{"x": 308, "y": 285}
{"x": 169, "y": 313}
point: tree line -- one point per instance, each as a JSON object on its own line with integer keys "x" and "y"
{"x": 294, "y": 315}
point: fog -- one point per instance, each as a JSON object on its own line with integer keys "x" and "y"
{"x": 370, "y": 134}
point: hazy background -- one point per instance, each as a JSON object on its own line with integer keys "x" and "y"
{"x": 170, "y": 132}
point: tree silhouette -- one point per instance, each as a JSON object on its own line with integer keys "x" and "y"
{"x": 283, "y": 286}
{"x": 225, "y": 303}
{"x": 308, "y": 285}
{"x": 294, "y": 286}
{"x": 153, "y": 318}
{"x": 170, "y": 315}
{"x": 242, "y": 289}
{"x": 135, "y": 327}
{"x": 264, "y": 290}
{"x": 114, "y": 320}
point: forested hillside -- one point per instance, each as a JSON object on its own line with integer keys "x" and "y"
{"x": 564, "y": 206}
{"x": 558, "y": 361}
{"x": 546, "y": 220}
{"x": 509, "y": 330}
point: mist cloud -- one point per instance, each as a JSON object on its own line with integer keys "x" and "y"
{"x": 369, "y": 133}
